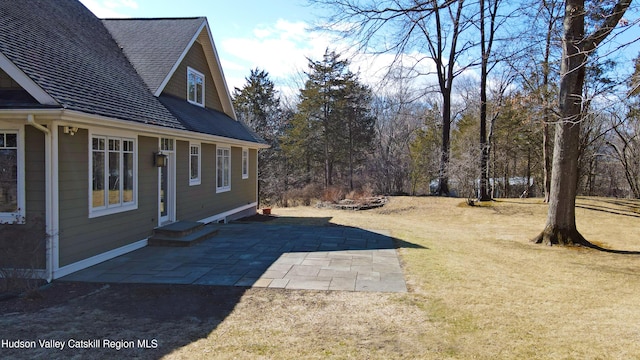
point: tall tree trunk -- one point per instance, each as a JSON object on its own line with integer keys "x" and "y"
{"x": 491, "y": 170}
{"x": 561, "y": 220}
{"x": 443, "y": 188}
{"x": 484, "y": 153}
{"x": 546, "y": 145}
{"x": 546, "y": 157}
{"x": 485, "y": 49}
{"x": 525, "y": 194}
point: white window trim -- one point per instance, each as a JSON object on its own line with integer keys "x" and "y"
{"x": 19, "y": 216}
{"x": 219, "y": 188}
{"x": 197, "y": 73}
{"x": 245, "y": 163}
{"x": 196, "y": 181}
{"x": 122, "y": 207}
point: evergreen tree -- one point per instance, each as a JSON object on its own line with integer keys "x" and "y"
{"x": 359, "y": 124}
{"x": 333, "y": 127}
{"x": 257, "y": 105}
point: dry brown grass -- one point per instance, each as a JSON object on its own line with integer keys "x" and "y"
{"x": 478, "y": 290}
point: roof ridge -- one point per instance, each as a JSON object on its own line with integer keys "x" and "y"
{"x": 158, "y": 18}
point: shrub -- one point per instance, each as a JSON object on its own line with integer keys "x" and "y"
{"x": 23, "y": 249}
{"x": 303, "y": 196}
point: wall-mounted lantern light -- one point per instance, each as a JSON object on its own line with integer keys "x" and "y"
{"x": 159, "y": 159}
{"x": 71, "y": 130}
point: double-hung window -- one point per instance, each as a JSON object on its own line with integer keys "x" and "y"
{"x": 113, "y": 175}
{"x": 194, "y": 164}
{"x": 195, "y": 87}
{"x": 223, "y": 169}
{"x": 11, "y": 179}
{"x": 245, "y": 163}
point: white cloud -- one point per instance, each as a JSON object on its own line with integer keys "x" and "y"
{"x": 282, "y": 50}
{"x": 110, "y": 8}
{"x": 261, "y": 33}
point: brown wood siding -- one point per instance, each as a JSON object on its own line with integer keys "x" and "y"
{"x": 81, "y": 237}
{"x": 35, "y": 175}
{"x": 177, "y": 85}
{"x": 6, "y": 82}
{"x": 197, "y": 202}
{"x": 242, "y": 190}
{"x": 31, "y": 235}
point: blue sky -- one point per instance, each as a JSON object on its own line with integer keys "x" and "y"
{"x": 272, "y": 35}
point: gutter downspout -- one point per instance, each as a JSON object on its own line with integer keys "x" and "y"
{"x": 48, "y": 194}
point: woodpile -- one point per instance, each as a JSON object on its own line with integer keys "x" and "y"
{"x": 359, "y": 204}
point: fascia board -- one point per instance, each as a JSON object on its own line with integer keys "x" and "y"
{"x": 78, "y": 117}
{"x": 26, "y": 82}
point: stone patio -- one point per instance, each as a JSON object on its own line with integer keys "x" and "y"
{"x": 265, "y": 255}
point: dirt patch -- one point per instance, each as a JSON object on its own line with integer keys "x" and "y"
{"x": 47, "y": 296}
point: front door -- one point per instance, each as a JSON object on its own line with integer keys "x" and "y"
{"x": 167, "y": 188}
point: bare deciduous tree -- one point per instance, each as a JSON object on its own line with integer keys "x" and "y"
{"x": 432, "y": 29}
{"x": 576, "y": 47}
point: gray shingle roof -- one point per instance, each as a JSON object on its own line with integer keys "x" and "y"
{"x": 67, "y": 51}
{"x": 153, "y": 45}
{"x": 208, "y": 121}
{"x": 73, "y": 57}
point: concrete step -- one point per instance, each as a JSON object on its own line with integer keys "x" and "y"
{"x": 193, "y": 236}
{"x": 178, "y": 229}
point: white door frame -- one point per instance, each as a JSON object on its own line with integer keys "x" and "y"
{"x": 170, "y": 197}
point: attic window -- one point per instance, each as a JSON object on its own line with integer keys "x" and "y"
{"x": 195, "y": 87}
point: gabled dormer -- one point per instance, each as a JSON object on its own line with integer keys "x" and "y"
{"x": 176, "y": 57}
{"x": 17, "y": 90}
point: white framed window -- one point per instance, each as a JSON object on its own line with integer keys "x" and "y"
{"x": 195, "y": 87}
{"x": 166, "y": 144}
{"x": 245, "y": 163}
{"x": 194, "y": 164}
{"x": 223, "y": 169}
{"x": 12, "y": 197}
{"x": 113, "y": 176}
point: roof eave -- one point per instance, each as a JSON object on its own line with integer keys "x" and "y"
{"x": 153, "y": 130}
{"x": 26, "y": 82}
{"x": 219, "y": 78}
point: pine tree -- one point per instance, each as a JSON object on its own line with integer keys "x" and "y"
{"x": 257, "y": 105}
{"x": 333, "y": 127}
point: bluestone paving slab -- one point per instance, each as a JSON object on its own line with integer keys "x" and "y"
{"x": 274, "y": 274}
{"x": 264, "y": 255}
{"x": 316, "y": 262}
{"x": 310, "y": 283}
{"x": 345, "y": 284}
{"x": 263, "y": 283}
{"x": 333, "y": 273}
{"x": 278, "y": 283}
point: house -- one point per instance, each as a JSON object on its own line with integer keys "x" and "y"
{"x": 109, "y": 129}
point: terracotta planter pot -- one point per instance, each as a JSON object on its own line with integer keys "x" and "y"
{"x": 266, "y": 211}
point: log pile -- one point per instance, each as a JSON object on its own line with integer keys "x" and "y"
{"x": 359, "y": 204}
